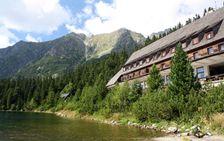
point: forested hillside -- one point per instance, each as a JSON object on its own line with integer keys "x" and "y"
{"x": 27, "y": 94}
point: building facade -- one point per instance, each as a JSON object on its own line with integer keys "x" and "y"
{"x": 203, "y": 40}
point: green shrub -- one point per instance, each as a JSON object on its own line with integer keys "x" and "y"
{"x": 153, "y": 106}
{"x": 118, "y": 98}
{"x": 213, "y": 101}
{"x": 88, "y": 100}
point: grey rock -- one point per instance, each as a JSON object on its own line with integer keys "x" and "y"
{"x": 172, "y": 129}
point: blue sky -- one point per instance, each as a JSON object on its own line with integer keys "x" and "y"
{"x": 43, "y": 20}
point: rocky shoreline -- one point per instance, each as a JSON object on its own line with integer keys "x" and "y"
{"x": 173, "y": 133}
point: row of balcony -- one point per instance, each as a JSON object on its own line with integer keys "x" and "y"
{"x": 193, "y": 56}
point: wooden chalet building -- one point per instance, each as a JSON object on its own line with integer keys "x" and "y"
{"x": 203, "y": 40}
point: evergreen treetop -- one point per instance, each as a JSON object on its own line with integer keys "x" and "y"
{"x": 154, "y": 80}
{"x": 182, "y": 74}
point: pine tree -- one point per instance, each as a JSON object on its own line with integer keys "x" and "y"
{"x": 205, "y": 12}
{"x": 147, "y": 41}
{"x": 179, "y": 25}
{"x": 50, "y": 97}
{"x": 210, "y": 9}
{"x": 154, "y": 80}
{"x": 188, "y": 21}
{"x": 182, "y": 74}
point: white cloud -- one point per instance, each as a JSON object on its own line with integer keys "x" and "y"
{"x": 144, "y": 16}
{"x": 72, "y": 28}
{"x": 39, "y": 16}
{"x": 88, "y": 10}
{"x": 89, "y": 1}
{"x": 105, "y": 10}
{"x": 30, "y": 38}
{"x": 7, "y": 38}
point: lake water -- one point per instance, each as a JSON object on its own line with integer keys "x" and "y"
{"x": 19, "y": 126}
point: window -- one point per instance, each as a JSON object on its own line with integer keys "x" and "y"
{"x": 124, "y": 69}
{"x": 123, "y": 78}
{"x": 173, "y": 49}
{"x": 143, "y": 85}
{"x": 155, "y": 57}
{"x": 221, "y": 47}
{"x": 200, "y": 72}
{"x": 196, "y": 55}
{"x": 210, "y": 50}
{"x": 147, "y": 60}
{"x": 143, "y": 71}
{"x": 140, "y": 62}
{"x": 166, "y": 79}
{"x": 209, "y": 35}
{"x": 162, "y": 66}
{"x": 184, "y": 45}
{"x": 164, "y": 53}
{"x": 147, "y": 70}
{"x": 131, "y": 76}
{"x": 166, "y": 65}
{"x": 137, "y": 73}
{"x": 134, "y": 65}
{"x": 195, "y": 41}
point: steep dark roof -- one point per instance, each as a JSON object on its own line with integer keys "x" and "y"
{"x": 207, "y": 21}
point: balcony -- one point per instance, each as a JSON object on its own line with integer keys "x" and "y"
{"x": 215, "y": 79}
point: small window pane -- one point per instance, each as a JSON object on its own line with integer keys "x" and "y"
{"x": 200, "y": 72}
{"x": 222, "y": 47}
{"x": 173, "y": 50}
{"x": 147, "y": 60}
{"x": 210, "y": 50}
{"x": 196, "y": 55}
{"x": 195, "y": 41}
{"x": 209, "y": 35}
{"x": 184, "y": 45}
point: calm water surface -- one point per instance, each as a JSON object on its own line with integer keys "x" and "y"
{"x": 18, "y": 126}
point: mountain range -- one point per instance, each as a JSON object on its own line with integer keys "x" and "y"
{"x": 52, "y": 58}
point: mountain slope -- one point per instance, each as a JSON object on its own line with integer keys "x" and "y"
{"x": 116, "y": 41}
{"x": 64, "y": 53}
{"x": 55, "y": 57}
{"x": 19, "y": 55}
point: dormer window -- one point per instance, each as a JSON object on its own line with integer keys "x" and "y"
{"x": 209, "y": 35}
{"x": 195, "y": 41}
{"x": 164, "y": 53}
{"x": 147, "y": 60}
{"x": 184, "y": 45}
{"x": 173, "y": 50}
{"x": 124, "y": 69}
{"x": 134, "y": 65}
{"x": 155, "y": 57}
{"x": 140, "y": 62}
